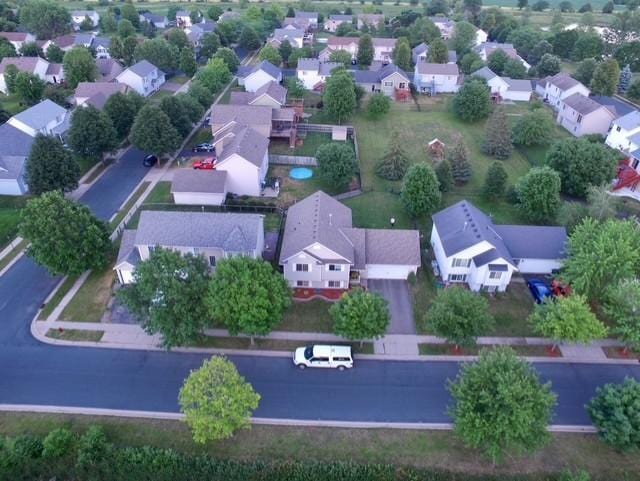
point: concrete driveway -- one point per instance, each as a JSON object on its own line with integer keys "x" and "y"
{"x": 400, "y": 306}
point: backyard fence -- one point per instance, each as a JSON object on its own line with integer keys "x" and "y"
{"x": 292, "y": 160}
{"x": 322, "y": 128}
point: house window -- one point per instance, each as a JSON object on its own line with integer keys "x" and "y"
{"x": 457, "y": 277}
{"x": 334, "y": 284}
{"x": 335, "y": 267}
{"x": 460, "y": 262}
{"x": 402, "y": 85}
{"x": 302, "y": 267}
{"x": 388, "y": 84}
{"x": 618, "y": 128}
{"x": 495, "y": 275}
{"x": 212, "y": 261}
{"x": 579, "y": 118}
{"x": 151, "y": 249}
{"x": 635, "y": 163}
{"x": 302, "y": 283}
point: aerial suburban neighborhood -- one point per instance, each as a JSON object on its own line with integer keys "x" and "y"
{"x": 316, "y": 240}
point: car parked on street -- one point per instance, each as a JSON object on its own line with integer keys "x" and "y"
{"x": 324, "y": 356}
{"x": 205, "y": 164}
{"x": 204, "y": 147}
{"x": 150, "y": 160}
{"x": 539, "y": 290}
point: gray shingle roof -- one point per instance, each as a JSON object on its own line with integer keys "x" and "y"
{"x": 420, "y": 49}
{"x": 282, "y": 34}
{"x": 274, "y": 90}
{"x": 108, "y": 68}
{"x": 518, "y": 85}
{"x": 392, "y": 246}
{"x": 309, "y": 15}
{"x": 242, "y": 114}
{"x": 89, "y": 89}
{"x": 583, "y": 105}
{"x": 365, "y": 76}
{"x": 308, "y": 64}
{"x": 426, "y": 68}
{"x": 485, "y": 72}
{"x": 341, "y": 18}
{"x": 199, "y": 181}
{"x": 40, "y": 114}
{"x": 15, "y": 147}
{"x": 240, "y": 98}
{"x": 327, "y": 67}
{"x": 265, "y": 66}
{"x": 563, "y": 81}
{"x": 23, "y": 64}
{"x": 462, "y": 226}
{"x": 247, "y": 143}
{"x": 101, "y": 42}
{"x": 618, "y": 107}
{"x": 143, "y": 68}
{"x": 153, "y": 17}
{"x": 390, "y": 70}
{"x": 231, "y": 232}
{"x": 83, "y": 39}
{"x": 127, "y": 251}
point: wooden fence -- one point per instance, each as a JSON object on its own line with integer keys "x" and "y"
{"x": 292, "y": 160}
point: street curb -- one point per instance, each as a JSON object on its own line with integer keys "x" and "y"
{"x": 12, "y": 262}
{"x": 31, "y": 408}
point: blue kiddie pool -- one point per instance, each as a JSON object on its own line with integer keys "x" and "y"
{"x": 301, "y": 173}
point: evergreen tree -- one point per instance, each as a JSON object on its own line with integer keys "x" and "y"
{"x": 365, "y": 50}
{"x": 395, "y": 163}
{"x": 402, "y": 54}
{"x": 473, "y": 100}
{"x": 420, "y": 192}
{"x": 625, "y": 79}
{"x": 445, "y": 176}
{"x": 497, "y": 141}
{"x": 457, "y": 155}
{"x": 495, "y": 182}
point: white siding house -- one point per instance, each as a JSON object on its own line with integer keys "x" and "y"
{"x": 582, "y": 116}
{"x": 435, "y": 78}
{"x": 143, "y": 77}
{"x": 199, "y": 187}
{"x": 559, "y": 87}
{"x": 254, "y": 78}
{"x": 623, "y": 131}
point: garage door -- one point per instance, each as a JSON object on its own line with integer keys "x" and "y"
{"x": 381, "y": 271}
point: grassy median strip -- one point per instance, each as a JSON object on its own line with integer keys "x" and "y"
{"x": 127, "y": 207}
{"x": 271, "y": 344}
{"x": 90, "y": 302}
{"x": 57, "y": 297}
{"x": 529, "y": 350}
{"x": 4, "y": 262}
{"x": 437, "y": 450}
{"x": 75, "y": 335}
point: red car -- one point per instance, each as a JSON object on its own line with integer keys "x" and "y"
{"x": 205, "y": 164}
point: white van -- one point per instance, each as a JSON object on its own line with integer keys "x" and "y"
{"x": 323, "y": 356}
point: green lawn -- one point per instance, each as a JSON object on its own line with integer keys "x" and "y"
{"x": 292, "y": 190}
{"x": 75, "y": 335}
{"x": 201, "y": 136}
{"x": 57, "y": 297}
{"x": 269, "y": 344}
{"x": 160, "y": 194}
{"x": 309, "y": 146}
{"x": 309, "y": 316}
{"x": 10, "y": 208}
{"x": 437, "y": 450}
{"x": 11, "y": 104}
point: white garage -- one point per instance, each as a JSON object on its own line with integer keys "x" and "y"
{"x": 389, "y": 271}
{"x": 538, "y": 266}
{"x": 199, "y": 187}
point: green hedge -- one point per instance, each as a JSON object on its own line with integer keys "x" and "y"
{"x": 62, "y": 455}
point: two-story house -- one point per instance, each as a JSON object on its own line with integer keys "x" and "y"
{"x": 97, "y": 93}
{"x": 159, "y": 21}
{"x": 215, "y": 236}
{"x": 46, "y": 118}
{"x": 558, "y": 87}
{"x": 390, "y": 80}
{"x": 322, "y": 250}
{"x": 435, "y": 78}
{"x": 625, "y": 133}
{"x": 79, "y": 16}
{"x": 371, "y": 20}
{"x": 582, "y": 116}
{"x": 183, "y": 19}
{"x": 271, "y": 95}
{"x": 313, "y": 73}
{"x": 18, "y": 39}
{"x": 334, "y": 21}
{"x": 294, "y": 36}
{"x": 505, "y": 88}
{"x": 256, "y": 76}
{"x": 308, "y": 18}
{"x": 49, "y": 72}
{"x": 469, "y": 248}
{"x": 485, "y": 49}
{"x": 382, "y": 48}
{"x": 143, "y": 77}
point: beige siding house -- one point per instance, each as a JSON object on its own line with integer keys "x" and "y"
{"x": 582, "y": 116}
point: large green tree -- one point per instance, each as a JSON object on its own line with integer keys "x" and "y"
{"x": 63, "y": 235}
{"x": 337, "y": 163}
{"x": 229, "y": 57}
{"x": 45, "y": 18}
{"x": 605, "y": 77}
{"x": 209, "y": 45}
{"x": 54, "y": 53}
{"x": 249, "y": 39}
{"x": 129, "y": 12}
{"x": 438, "y": 52}
{"x": 360, "y": 315}
{"x": 497, "y": 60}
{"x": 247, "y": 296}
{"x": 270, "y": 54}
{"x": 538, "y": 194}
{"x": 339, "y": 96}
{"x": 122, "y": 110}
{"x": 420, "y": 192}
{"x": 473, "y": 101}
{"x": 365, "y": 50}
{"x": 464, "y": 36}
{"x": 28, "y": 87}
{"x": 600, "y": 254}
{"x": 215, "y": 75}
{"x": 402, "y": 54}
{"x": 567, "y": 319}
{"x": 500, "y": 405}
{"x": 178, "y": 38}
{"x": 497, "y": 140}
{"x": 187, "y": 61}
{"x": 459, "y": 316}
{"x": 217, "y": 401}
{"x": 585, "y": 69}
{"x": 153, "y": 132}
{"x": 445, "y": 175}
{"x": 615, "y": 412}
{"x": 167, "y": 296}
{"x": 622, "y": 306}
{"x": 178, "y": 114}
{"x": 79, "y": 66}
{"x": 91, "y": 133}
{"x": 50, "y": 166}
{"x": 159, "y": 52}
{"x": 549, "y": 65}
{"x": 495, "y": 181}
{"x": 581, "y": 163}
{"x": 534, "y": 128}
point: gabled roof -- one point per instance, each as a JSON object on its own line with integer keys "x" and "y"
{"x": 317, "y": 219}
{"x": 127, "y": 252}
{"x": 630, "y": 121}
{"x": 241, "y": 114}
{"x": 143, "y": 68}
{"x": 101, "y": 42}
{"x": 15, "y": 147}
{"x": 245, "y": 142}
{"x": 23, "y": 64}
{"x": 281, "y": 34}
{"x": 485, "y": 72}
{"x": 54, "y": 69}
{"x": 618, "y": 107}
{"x": 490, "y": 47}
{"x": 308, "y": 15}
{"x": 154, "y": 17}
{"x": 108, "y": 68}
{"x": 341, "y": 18}
{"x": 14, "y": 36}
{"x": 308, "y": 64}
{"x": 199, "y": 181}
{"x": 583, "y": 105}
{"x": 390, "y": 70}
{"x": 563, "y": 81}
{"x": 426, "y": 68}
{"x": 326, "y": 68}
{"x": 518, "y": 85}
{"x": 40, "y": 114}
{"x": 462, "y": 226}
{"x": 420, "y": 49}
{"x": 274, "y": 90}
{"x": 82, "y": 39}
{"x": 266, "y": 67}
{"x": 371, "y": 17}
{"x": 231, "y": 232}
{"x": 64, "y": 41}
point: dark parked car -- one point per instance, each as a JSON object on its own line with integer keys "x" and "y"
{"x": 205, "y": 147}
{"x": 539, "y": 290}
{"x": 150, "y": 160}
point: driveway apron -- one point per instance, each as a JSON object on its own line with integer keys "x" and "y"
{"x": 396, "y": 292}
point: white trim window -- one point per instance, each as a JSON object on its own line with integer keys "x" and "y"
{"x": 301, "y": 268}
{"x": 495, "y": 275}
{"x": 334, "y": 267}
{"x": 457, "y": 278}
{"x": 302, "y": 283}
{"x": 334, "y": 284}
{"x": 460, "y": 262}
